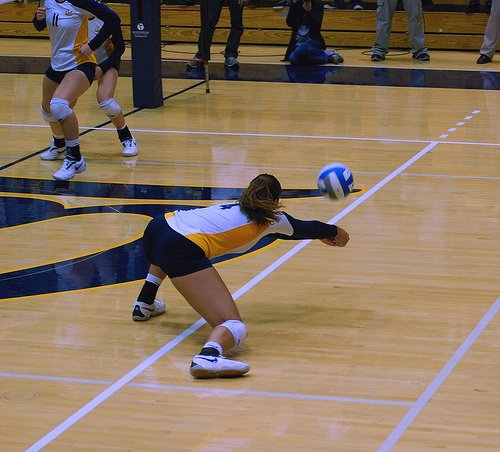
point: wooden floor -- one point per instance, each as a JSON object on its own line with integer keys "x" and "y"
{"x": 389, "y": 343}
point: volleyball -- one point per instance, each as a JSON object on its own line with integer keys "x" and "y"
{"x": 335, "y": 181}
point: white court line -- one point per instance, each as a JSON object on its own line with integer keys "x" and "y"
{"x": 274, "y": 135}
{"x": 422, "y": 401}
{"x": 100, "y": 398}
{"x": 285, "y": 395}
{"x": 52, "y": 378}
{"x": 216, "y": 390}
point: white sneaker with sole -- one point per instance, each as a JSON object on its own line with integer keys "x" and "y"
{"x": 129, "y": 147}
{"x": 70, "y": 168}
{"x": 206, "y": 366}
{"x": 143, "y": 311}
{"x": 53, "y": 152}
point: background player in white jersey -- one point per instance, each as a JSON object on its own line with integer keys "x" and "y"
{"x": 72, "y": 69}
{"x": 108, "y": 61}
{"x": 180, "y": 245}
{"x": 108, "y": 58}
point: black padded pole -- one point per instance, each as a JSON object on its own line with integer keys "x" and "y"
{"x": 145, "y": 28}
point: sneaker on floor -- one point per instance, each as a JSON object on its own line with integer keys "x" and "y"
{"x": 143, "y": 311}
{"x": 483, "y": 59}
{"x": 378, "y": 57}
{"x": 206, "y": 366}
{"x": 129, "y": 147}
{"x": 424, "y": 56}
{"x": 53, "y": 152}
{"x": 232, "y": 62}
{"x": 334, "y": 57}
{"x": 358, "y": 6}
{"x": 194, "y": 64}
{"x": 70, "y": 168}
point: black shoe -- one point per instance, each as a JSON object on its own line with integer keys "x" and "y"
{"x": 483, "y": 59}
{"x": 473, "y": 7}
{"x": 424, "y": 56}
{"x": 358, "y": 6}
{"x": 194, "y": 64}
{"x": 378, "y": 57}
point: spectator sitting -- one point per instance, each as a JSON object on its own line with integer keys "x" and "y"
{"x": 307, "y": 46}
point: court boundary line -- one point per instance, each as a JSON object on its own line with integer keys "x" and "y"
{"x": 216, "y": 390}
{"x": 124, "y": 380}
{"x": 88, "y": 129}
{"x": 439, "y": 379}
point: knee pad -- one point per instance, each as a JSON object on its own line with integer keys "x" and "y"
{"x": 60, "y": 109}
{"x": 110, "y": 107}
{"x": 238, "y": 330}
{"x": 47, "y": 117}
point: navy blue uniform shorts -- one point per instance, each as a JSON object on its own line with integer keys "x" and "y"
{"x": 87, "y": 68}
{"x": 172, "y": 252}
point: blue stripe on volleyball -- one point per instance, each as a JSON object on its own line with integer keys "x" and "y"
{"x": 337, "y": 179}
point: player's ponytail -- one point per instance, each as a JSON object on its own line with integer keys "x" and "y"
{"x": 260, "y": 201}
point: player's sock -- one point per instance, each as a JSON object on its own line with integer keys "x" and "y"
{"x": 73, "y": 149}
{"x": 211, "y": 349}
{"x": 124, "y": 134}
{"x": 149, "y": 289}
{"x": 59, "y": 141}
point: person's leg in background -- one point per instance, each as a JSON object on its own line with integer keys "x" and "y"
{"x": 416, "y": 29}
{"x": 234, "y": 38}
{"x": 105, "y": 98}
{"x": 210, "y": 11}
{"x": 385, "y": 13}
{"x": 491, "y": 35}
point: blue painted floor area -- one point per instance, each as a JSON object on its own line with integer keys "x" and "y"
{"x": 116, "y": 265}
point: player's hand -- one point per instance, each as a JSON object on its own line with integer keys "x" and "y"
{"x": 85, "y": 50}
{"x": 98, "y": 73}
{"x": 307, "y": 5}
{"x": 41, "y": 13}
{"x": 340, "y": 239}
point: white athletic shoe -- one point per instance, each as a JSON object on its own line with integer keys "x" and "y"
{"x": 53, "y": 152}
{"x": 70, "y": 168}
{"x": 129, "y": 147}
{"x": 206, "y": 366}
{"x": 143, "y": 311}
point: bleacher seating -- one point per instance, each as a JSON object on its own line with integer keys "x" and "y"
{"x": 446, "y": 28}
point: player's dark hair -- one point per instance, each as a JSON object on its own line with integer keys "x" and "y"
{"x": 260, "y": 201}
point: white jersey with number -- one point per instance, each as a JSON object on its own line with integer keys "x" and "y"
{"x": 68, "y": 30}
{"x": 223, "y": 228}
